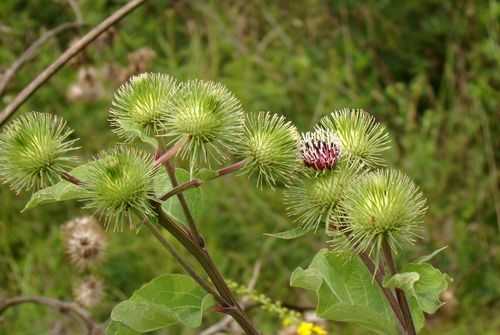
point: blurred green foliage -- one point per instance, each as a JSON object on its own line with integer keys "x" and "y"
{"x": 428, "y": 69}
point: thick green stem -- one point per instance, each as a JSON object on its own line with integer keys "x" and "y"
{"x": 403, "y": 302}
{"x": 231, "y": 304}
{"x": 378, "y": 273}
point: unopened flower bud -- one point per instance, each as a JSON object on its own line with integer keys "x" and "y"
{"x": 120, "y": 185}
{"x": 269, "y": 148}
{"x": 207, "y": 114}
{"x": 384, "y": 204}
{"x": 34, "y": 151}
{"x": 138, "y": 107}
{"x": 361, "y": 136}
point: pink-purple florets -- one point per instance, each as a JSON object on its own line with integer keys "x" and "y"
{"x": 320, "y": 150}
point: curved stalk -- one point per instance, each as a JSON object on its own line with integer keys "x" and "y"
{"x": 62, "y": 306}
{"x": 71, "y": 52}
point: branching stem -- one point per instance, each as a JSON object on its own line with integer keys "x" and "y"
{"x": 72, "y": 179}
{"x": 172, "y": 151}
{"x": 169, "y": 166}
{"x": 193, "y": 183}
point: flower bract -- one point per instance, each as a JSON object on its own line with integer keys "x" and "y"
{"x": 317, "y": 197}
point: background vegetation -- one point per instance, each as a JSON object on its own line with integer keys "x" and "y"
{"x": 428, "y": 69}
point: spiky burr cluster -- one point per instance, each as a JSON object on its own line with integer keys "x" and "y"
{"x": 383, "y": 204}
{"x": 34, "y": 151}
{"x": 361, "y": 136}
{"x": 269, "y": 148}
{"x": 332, "y": 174}
{"x": 139, "y": 106}
{"x": 120, "y": 186}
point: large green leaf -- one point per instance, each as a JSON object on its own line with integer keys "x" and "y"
{"x": 423, "y": 284}
{"x": 62, "y": 191}
{"x": 166, "y": 300}
{"x": 346, "y": 292}
{"x": 172, "y": 205}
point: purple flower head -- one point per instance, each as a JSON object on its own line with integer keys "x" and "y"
{"x": 320, "y": 150}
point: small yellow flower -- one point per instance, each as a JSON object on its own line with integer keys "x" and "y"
{"x": 305, "y": 328}
{"x": 319, "y": 330}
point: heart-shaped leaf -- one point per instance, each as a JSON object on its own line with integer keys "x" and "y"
{"x": 166, "y": 300}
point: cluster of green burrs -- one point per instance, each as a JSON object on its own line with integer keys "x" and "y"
{"x": 333, "y": 175}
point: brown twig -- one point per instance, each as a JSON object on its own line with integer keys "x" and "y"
{"x": 170, "y": 153}
{"x": 62, "y": 306}
{"x": 31, "y": 52}
{"x": 72, "y": 51}
{"x": 70, "y": 178}
{"x": 193, "y": 183}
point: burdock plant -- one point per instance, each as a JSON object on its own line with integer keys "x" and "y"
{"x": 330, "y": 176}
